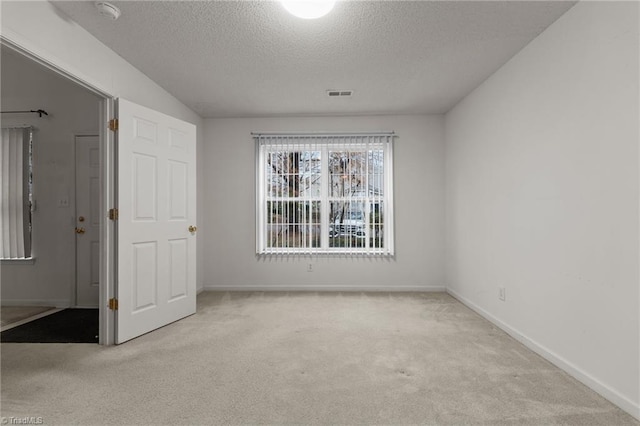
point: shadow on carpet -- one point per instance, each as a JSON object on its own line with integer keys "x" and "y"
{"x": 68, "y": 326}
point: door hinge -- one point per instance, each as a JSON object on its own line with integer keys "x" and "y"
{"x": 113, "y": 304}
{"x": 113, "y": 124}
{"x": 113, "y": 214}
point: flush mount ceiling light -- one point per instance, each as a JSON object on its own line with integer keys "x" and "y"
{"x": 107, "y": 10}
{"x": 308, "y": 9}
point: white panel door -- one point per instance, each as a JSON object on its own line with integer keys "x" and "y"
{"x": 157, "y": 206}
{"x": 87, "y": 221}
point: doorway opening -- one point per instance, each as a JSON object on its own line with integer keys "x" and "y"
{"x": 147, "y": 232}
{"x": 45, "y": 287}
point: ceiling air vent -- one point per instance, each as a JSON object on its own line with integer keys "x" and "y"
{"x": 339, "y": 93}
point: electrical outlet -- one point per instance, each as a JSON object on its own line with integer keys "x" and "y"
{"x": 310, "y": 267}
{"x": 502, "y": 293}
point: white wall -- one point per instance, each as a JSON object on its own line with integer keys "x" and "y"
{"x": 229, "y": 200}
{"x": 72, "y": 110}
{"x": 41, "y": 29}
{"x": 542, "y": 197}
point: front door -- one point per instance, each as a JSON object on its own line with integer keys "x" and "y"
{"x": 87, "y": 221}
{"x": 156, "y": 193}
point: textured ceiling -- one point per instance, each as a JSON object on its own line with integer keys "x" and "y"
{"x": 251, "y": 58}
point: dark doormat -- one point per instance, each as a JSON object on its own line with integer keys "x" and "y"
{"x": 68, "y": 326}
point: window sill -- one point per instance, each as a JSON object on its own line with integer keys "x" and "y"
{"x": 327, "y": 253}
{"x": 28, "y": 261}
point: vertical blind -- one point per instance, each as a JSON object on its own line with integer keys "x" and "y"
{"x": 16, "y": 224}
{"x": 324, "y": 193}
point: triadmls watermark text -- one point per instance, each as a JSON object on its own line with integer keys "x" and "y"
{"x": 24, "y": 420}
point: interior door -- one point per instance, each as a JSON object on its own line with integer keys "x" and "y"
{"x": 87, "y": 221}
{"x": 156, "y": 282}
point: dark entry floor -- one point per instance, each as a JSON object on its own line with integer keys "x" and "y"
{"x": 67, "y": 326}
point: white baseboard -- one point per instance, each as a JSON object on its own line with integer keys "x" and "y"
{"x": 607, "y": 392}
{"x": 330, "y": 287}
{"x": 59, "y": 303}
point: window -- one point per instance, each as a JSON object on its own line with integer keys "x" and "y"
{"x": 324, "y": 193}
{"x": 15, "y": 223}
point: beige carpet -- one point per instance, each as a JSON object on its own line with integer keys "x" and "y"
{"x": 303, "y": 358}
{"x": 12, "y": 314}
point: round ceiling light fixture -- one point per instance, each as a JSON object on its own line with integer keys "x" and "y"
{"x": 308, "y": 9}
{"x": 107, "y": 10}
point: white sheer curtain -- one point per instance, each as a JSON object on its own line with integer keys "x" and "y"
{"x": 14, "y": 189}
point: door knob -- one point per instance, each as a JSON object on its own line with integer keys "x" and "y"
{"x": 193, "y": 229}
{"x": 80, "y": 231}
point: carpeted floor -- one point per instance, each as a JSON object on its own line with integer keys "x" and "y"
{"x": 65, "y": 326}
{"x": 303, "y": 358}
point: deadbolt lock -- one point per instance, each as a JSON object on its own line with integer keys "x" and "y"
{"x": 80, "y": 231}
{"x": 193, "y": 229}
{"x": 81, "y": 219}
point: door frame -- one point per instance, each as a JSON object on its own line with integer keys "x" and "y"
{"x": 108, "y": 175}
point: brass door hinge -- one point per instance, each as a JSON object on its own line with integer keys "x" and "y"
{"x": 113, "y": 214}
{"x": 113, "y": 304}
{"x": 113, "y": 124}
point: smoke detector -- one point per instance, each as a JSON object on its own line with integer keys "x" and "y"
{"x": 108, "y": 10}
